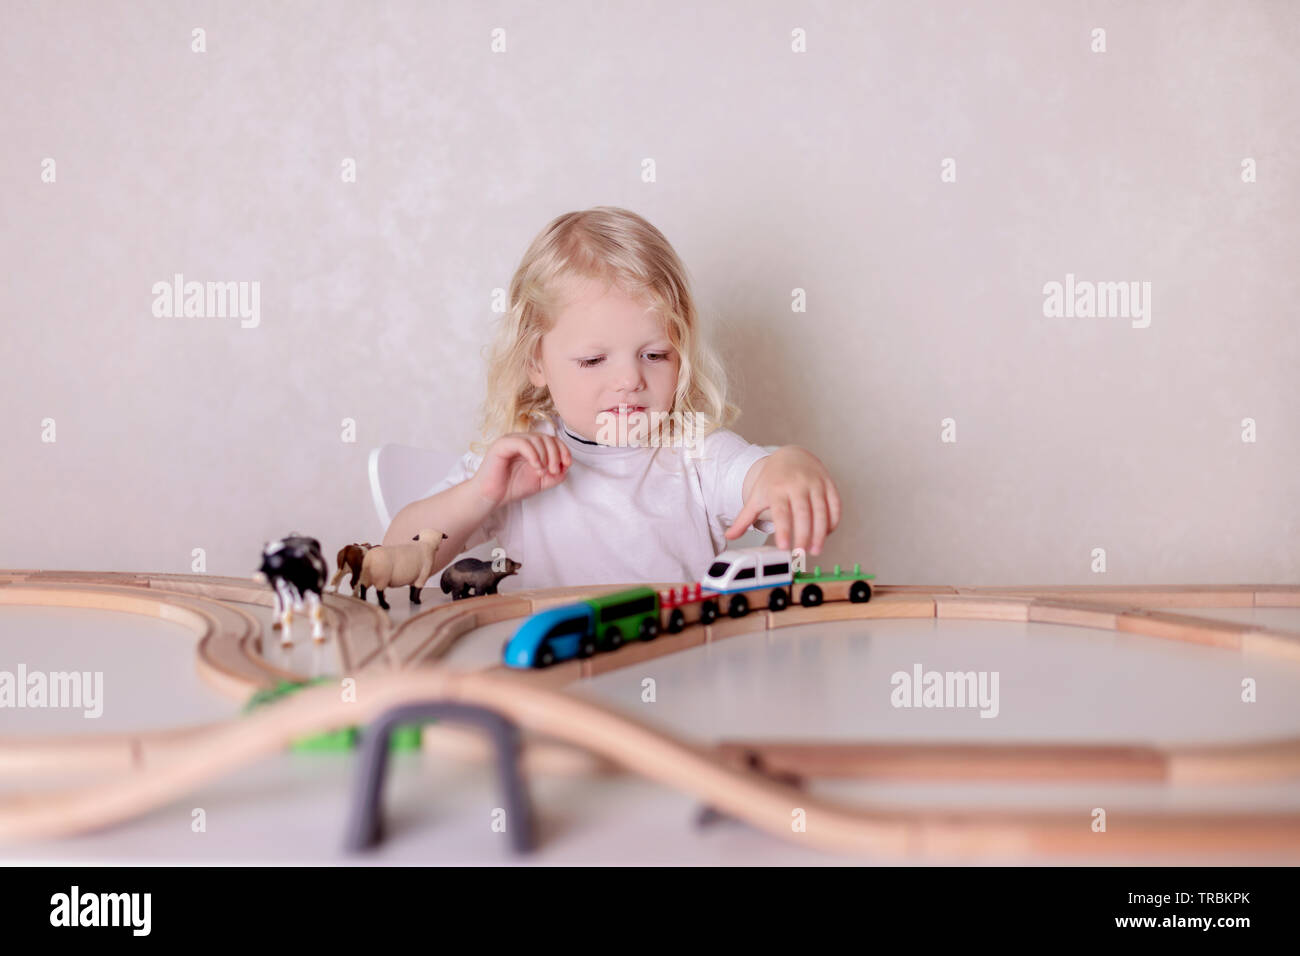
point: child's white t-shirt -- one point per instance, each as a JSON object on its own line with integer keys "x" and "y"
{"x": 622, "y": 515}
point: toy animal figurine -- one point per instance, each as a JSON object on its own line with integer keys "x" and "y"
{"x": 294, "y": 568}
{"x": 470, "y": 577}
{"x": 349, "y": 559}
{"x": 389, "y": 566}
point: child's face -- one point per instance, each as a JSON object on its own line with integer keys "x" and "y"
{"x": 605, "y": 350}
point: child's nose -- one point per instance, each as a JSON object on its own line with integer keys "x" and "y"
{"x": 630, "y": 379}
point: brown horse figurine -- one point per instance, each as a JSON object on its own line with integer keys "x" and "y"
{"x": 350, "y": 558}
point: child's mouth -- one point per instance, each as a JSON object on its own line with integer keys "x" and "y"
{"x": 626, "y": 409}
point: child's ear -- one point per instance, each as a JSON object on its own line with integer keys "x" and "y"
{"x": 535, "y": 374}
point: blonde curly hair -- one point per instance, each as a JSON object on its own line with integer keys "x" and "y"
{"x": 621, "y": 248}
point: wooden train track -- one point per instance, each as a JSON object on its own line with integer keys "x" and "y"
{"x": 743, "y": 779}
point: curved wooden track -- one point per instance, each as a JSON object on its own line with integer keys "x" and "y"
{"x": 164, "y": 764}
{"x": 890, "y": 832}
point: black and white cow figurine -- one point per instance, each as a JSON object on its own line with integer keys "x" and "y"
{"x": 295, "y": 568}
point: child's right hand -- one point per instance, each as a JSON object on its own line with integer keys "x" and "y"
{"x": 520, "y": 465}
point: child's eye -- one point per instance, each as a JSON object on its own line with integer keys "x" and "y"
{"x": 652, "y": 356}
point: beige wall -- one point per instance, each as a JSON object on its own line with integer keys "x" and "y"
{"x": 775, "y": 171}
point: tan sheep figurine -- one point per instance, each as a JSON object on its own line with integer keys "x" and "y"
{"x": 393, "y": 566}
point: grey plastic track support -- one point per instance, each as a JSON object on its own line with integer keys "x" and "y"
{"x": 365, "y": 824}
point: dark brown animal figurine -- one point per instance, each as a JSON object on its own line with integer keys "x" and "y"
{"x": 350, "y": 557}
{"x": 470, "y": 577}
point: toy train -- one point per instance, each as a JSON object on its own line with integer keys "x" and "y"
{"x": 743, "y": 579}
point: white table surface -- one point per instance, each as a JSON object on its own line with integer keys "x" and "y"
{"x": 829, "y": 680}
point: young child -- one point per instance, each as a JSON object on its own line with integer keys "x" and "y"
{"x": 602, "y": 331}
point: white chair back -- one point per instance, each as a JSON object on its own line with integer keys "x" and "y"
{"x": 400, "y": 474}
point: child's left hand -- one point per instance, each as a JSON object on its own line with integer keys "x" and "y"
{"x": 803, "y": 501}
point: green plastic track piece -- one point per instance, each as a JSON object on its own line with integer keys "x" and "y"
{"x": 405, "y": 738}
{"x": 334, "y": 741}
{"x": 344, "y": 738}
{"x": 282, "y": 689}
